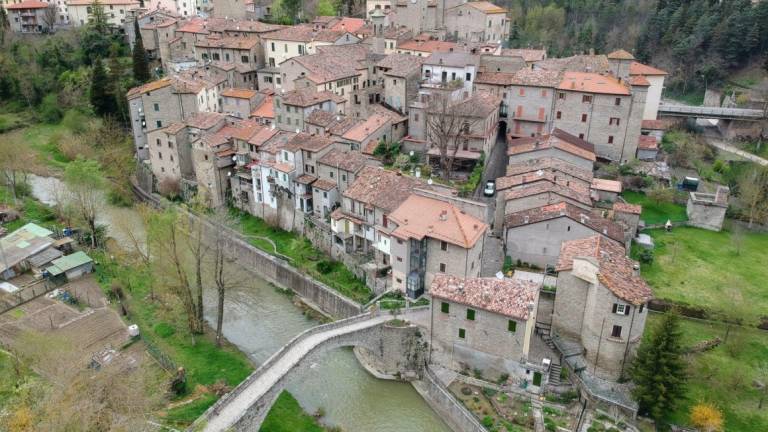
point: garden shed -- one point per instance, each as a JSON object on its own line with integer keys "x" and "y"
{"x": 70, "y": 267}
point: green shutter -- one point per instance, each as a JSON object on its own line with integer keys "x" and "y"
{"x": 471, "y": 314}
{"x": 462, "y": 333}
{"x": 512, "y": 326}
{"x": 445, "y": 307}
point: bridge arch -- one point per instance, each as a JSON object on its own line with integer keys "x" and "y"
{"x": 394, "y": 348}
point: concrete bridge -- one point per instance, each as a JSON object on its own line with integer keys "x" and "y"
{"x": 742, "y": 114}
{"x": 393, "y": 349}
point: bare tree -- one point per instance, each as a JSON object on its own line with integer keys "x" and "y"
{"x": 49, "y": 16}
{"x": 169, "y": 237}
{"x": 85, "y": 181}
{"x": 448, "y": 125}
{"x": 753, "y": 187}
{"x": 15, "y": 162}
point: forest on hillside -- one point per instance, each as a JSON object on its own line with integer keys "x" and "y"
{"x": 700, "y": 42}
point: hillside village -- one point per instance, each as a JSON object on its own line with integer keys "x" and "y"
{"x": 484, "y": 195}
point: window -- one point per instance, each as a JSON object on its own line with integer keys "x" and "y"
{"x": 616, "y": 332}
{"x": 610, "y": 139}
{"x": 159, "y": 123}
{"x": 586, "y": 99}
{"x": 399, "y": 259}
{"x": 559, "y": 115}
{"x": 618, "y": 101}
{"x": 581, "y": 136}
{"x": 642, "y": 306}
{"x": 442, "y": 267}
{"x": 561, "y": 96}
{"x": 512, "y": 326}
{"x": 157, "y": 107}
{"x": 614, "y": 121}
{"x": 583, "y": 118}
{"x": 445, "y": 307}
{"x": 159, "y": 155}
{"x": 521, "y": 91}
{"x": 443, "y": 245}
{"x": 621, "y": 309}
{"x": 462, "y": 333}
{"x": 244, "y": 59}
{"x": 384, "y": 221}
{"x": 543, "y": 93}
{"x": 399, "y": 280}
{"x": 471, "y": 314}
{"x": 469, "y": 77}
{"x": 158, "y": 142}
{"x": 415, "y": 117}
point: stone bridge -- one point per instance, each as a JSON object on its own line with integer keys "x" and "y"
{"x": 392, "y": 350}
{"x": 742, "y": 114}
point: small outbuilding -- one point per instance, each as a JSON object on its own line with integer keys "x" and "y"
{"x": 70, "y": 267}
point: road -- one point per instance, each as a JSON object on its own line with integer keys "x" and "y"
{"x": 720, "y": 144}
{"x": 495, "y": 166}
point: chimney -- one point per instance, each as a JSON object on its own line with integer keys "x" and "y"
{"x": 444, "y": 215}
{"x": 636, "y": 269}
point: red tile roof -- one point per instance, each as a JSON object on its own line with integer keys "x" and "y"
{"x": 364, "y": 130}
{"x": 324, "y": 184}
{"x": 239, "y": 93}
{"x": 429, "y": 46}
{"x": 620, "y": 55}
{"x": 548, "y": 187}
{"x": 557, "y": 139}
{"x": 348, "y": 24}
{"x": 265, "y": 110}
{"x": 637, "y": 68}
{"x": 352, "y": 161}
{"x": 590, "y": 82}
{"x": 28, "y": 4}
{"x": 509, "y": 297}
{"x": 418, "y": 217}
{"x": 150, "y": 86}
{"x": 377, "y": 187}
{"x": 647, "y": 142}
{"x": 549, "y": 164}
{"x": 606, "y": 185}
{"x": 529, "y": 55}
{"x": 615, "y": 271}
{"x": 590, "y": 219}
{"x": 627, "y": 208}
{"x": 307, "y": 142}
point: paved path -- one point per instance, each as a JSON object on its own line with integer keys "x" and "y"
{"x": 231, "y": 412}
{"x": 725, "y": 146}
{"x": 493, "y": 257}
{"x": 495, "y": 165}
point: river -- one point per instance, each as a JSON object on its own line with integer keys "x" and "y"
{"x": 259, "y": 320}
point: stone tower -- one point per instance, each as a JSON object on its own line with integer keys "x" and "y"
{"x": 377, "y": 19}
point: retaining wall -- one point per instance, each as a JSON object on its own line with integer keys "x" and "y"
{"x": 453, "y": 413}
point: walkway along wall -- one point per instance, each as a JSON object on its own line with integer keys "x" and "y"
{"x": 453, "y": 413}
{"x": 273, "y": 269}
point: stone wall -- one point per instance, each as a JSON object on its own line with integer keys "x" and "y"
{"x": 281, "y": 273}
{"x": 451, "y": 411}
{"x": 400, "y": 353}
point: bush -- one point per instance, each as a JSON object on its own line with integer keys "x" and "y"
{"x": 489, "y": 392}
{"x": 646, "y": 256}
{"x": 164, "y": 330}
{"x": 502, "y": 378}
{"x": 49, "y": 109}
{"x": 71, "y": 146}
{"x": 487, "y": 421}
{"x": 466, "y": 391}
{"x": 75, "y": 121}
{"x": 325, "y": 267}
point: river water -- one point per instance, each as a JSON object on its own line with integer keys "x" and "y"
{"x": 259, "y": 320}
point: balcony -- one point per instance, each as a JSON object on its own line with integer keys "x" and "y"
{"x": 528, "y": 118}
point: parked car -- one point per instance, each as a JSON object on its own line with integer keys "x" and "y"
{"x": 490, "y": 188}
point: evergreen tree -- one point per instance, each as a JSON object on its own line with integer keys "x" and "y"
{"x": 97, "y": 36}
{"x": 3, "y": 24}
{"x": 118, "y": 90}
{"x": 140, "y": 62}
{"x": 102, "y": 99}
{"x": 659, "y": 370}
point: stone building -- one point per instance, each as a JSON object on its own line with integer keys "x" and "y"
{"x": 484, "y": 324}
{"x": 292, "y": 108}
{"x": 401, "y": 75}
{"x": 116, "y": 11}
{"x": 477, "y": 21}
{"x": 425, "y": 236}
{"x": 707, "y": 210}
{"x": 600, "y": 308}
{"x": 240, "y": 102}
{"x": 299, "y": 40}
{"x": 535, "y": 236}
{"x": 240, "y": 56}
{"x": 31, "y": 16}
{"x": 559, "y": 145}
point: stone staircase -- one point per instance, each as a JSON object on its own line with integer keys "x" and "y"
{"x": 554, "y": 373}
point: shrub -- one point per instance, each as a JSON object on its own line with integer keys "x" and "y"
{"x": 49, "y": 109}
{"x": 325, "y": 267}
{"x": 646, "y": 256}
{"x": 164, "y": 330}
{"x": 478, "y": 373}
{"x": 489, "y": 392}
{"x": 502, "y": 378}
{"x": 75, "y": 121}
{"x": 169, "y": 187}
{"x": 466, "y": 391}
{"x": 71, "y": 146}
{"x": 487, "y": 421}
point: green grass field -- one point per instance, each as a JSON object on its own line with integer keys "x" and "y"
{"x": 711, "y": 269}
{"x": 303, "y": 256}
{"x": 656, "y": 213}
{"x": 287, "y": 415}
{"x": 724, "y": 375}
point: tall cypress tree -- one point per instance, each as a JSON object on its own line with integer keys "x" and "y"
{"x": 659, "y": 370}
{"x": 102, "y": 99}
{"x": 140, "y": 62}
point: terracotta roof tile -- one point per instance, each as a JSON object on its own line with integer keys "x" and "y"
{"x": 637, "y": 68}
{"x": 262, "y": 136}
{"x": 620, "y": 55}
{"x": 486, "y": 7}
{"x": 369, "y": 126}
{"x": 557, "y": 139}
{"x": 28, "y": 4}
{"x": 616, "y": 271}
{"x": 418, "y": 217}
{"x": 305, "y": 179}
{"x": 266, "y": 109}
{"x": 307, "y": 142}
{"x": 606, "y": 185}
{"x": 509, "y": 297}
{"x": 547, "y": 187}
{"x": 324, "y": 184}
{"x": 401, "y": 65}
{"x": 204, "y": 120}
{"x": 549, "y": 164}
{"x": 352, "y": 161}
{"x": 347, "y": 24}
{"x": 590, "y": 82}
{"x": 240, "y": 43}
{"x": 639, "y": 80}
{"x": 551, "y": 175}
{"x": 529, "y": 55}
{"x": 577, "y": 63}
{"x": 377, "y": 187}
{"x": 306, "y": 97}
{"x": 647, "y": 142}
{"x": 590, "y": 219}
{"x": 149, "y": 87}
{"x": 627, "y": 208}
{"x": 239, "y": 93}
{"x": 428, "y": 46}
